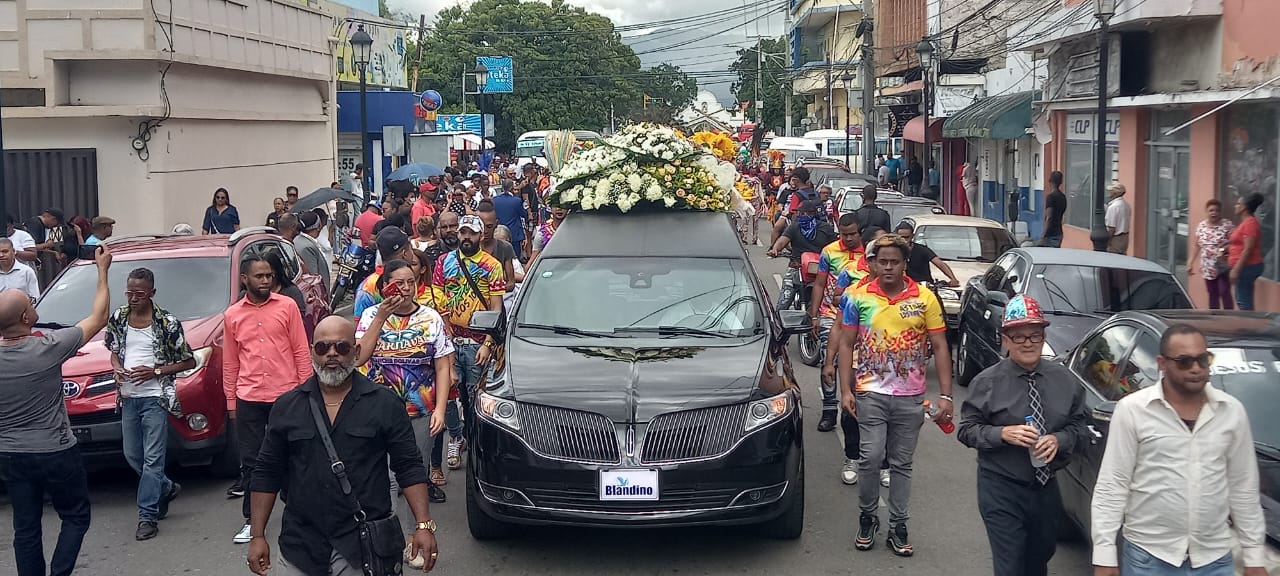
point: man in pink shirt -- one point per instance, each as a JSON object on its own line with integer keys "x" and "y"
{"x": 264, "y": 355}
{"x": 367, "y": 220}
{"x": 424, "y": 206}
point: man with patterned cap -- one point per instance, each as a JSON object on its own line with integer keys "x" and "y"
{"x": 1026, "y": 416}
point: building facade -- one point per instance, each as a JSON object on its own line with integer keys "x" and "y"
{"x": 115, "y": 105}
{"x": 1184, "y": 125}
{"x": 824, "y": 49}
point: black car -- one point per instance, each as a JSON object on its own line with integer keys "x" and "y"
{"x": 1119, "y": 357}
{"x": 1076, "y": 289}
{"x": 646, "y": 384}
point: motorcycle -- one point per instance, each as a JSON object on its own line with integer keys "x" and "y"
{"x": 810, "y": 346}
{"x": 356, "y": 264}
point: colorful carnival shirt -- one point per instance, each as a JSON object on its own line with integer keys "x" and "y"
{"x": 454, "y": 297}
{"x": 368, "y": 295}
{"x": 842, "y": 268}
{"x": 892, "y": 336}
{"x": 404, "y": 359}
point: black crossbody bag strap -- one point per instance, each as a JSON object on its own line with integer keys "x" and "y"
{"x": 335, "y": 464}
{"x": 466, "y": 273}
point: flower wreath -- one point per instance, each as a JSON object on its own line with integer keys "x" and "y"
{"x": 650, "y": 166}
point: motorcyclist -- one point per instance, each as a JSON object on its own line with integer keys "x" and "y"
{"x": 808, "y": 234}
{"x": 800, "y": 190}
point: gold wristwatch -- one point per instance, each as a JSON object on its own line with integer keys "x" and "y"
{"x": 429, "y": 525}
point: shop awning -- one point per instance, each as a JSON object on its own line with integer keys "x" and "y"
{"x": 470, "y": 142}
{"x": 1004, "y": 117}
{"x": 914, "y": 130}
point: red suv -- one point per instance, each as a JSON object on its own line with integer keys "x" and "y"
{"x": 197, "y": 277}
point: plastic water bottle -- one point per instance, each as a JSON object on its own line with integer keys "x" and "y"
{"x": 1035, "y": 462}
{"x": 931, "y": 414}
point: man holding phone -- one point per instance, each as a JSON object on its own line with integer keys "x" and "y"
{"x": 148, "y": 349}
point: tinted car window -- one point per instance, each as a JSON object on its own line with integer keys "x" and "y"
{"x": 1015, "y": 281}
{"x": 965, "y": 242}
{"x": 899, "y": 212}
{"x": 995, "y": 274}
{"x": 1142, "y": 370}
{"x": 1123, "y": 290}
{"x": 1099, "y": 359}
{"x": 843, "y": 180}
{"x": 1250, "y": 375}
{"x": 608, "y": 294}
{"x": 189, "y": 288}
{"x": 1068, "y": 288}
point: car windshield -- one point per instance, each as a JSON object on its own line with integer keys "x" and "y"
{"x": 793, "y": 156}
{"x": 845, "y": 181}
{"x": 1250, "y": 375}
{"x": 639, "y": 297}
{"x": 820, "y": 174}
{"x": 189, "y": 288}
{"x": 898, "y": 212}
{"x": 972, "y": 243}
{"x": 1105, "y": 290}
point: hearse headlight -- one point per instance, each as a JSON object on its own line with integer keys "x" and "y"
{"x": 762, "y": 413}
{"x": 202, "y": 357}
{"x": 500, "y": 411}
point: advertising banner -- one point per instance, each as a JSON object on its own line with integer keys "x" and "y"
{"x": 388, "y": 63}
{"x": 501, "y": 74}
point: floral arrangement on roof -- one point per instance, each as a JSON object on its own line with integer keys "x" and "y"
{"x": 647, "y": 166}
{"x": 720, "y": 145}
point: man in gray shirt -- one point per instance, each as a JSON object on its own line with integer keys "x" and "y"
{"x": 38, "y": 452}
{"x": 1025, "y": 416}
{"x": 291, "y": 226}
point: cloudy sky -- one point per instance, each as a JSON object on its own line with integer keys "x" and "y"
{"x": 683, "y": 45}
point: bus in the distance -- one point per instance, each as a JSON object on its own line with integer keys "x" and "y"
{"x": 529, "y": 145}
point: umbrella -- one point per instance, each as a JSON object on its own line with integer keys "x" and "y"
{"x": 324, "y": 196}
{"x": 418, "y": 169}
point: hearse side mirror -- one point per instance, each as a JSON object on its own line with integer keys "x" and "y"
{"x": 487, "y": 322}
{"x": 795, "y": 322}
{"x": 1104, "y": 411}
{"x": 998, "y": 298}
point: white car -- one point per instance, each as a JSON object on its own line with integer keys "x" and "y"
{"x": 967, "y": 244}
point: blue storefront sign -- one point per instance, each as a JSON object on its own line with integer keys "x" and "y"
{"x": 464, "y": 123}
{"x": 501, "y": 74}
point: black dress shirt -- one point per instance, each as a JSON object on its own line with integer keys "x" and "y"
{"x": 371, "y": 425}
{"x": 998, "y": 398}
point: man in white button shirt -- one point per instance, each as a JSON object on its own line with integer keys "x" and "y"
{"x": 14, "y": 274}
{"x": 1117, "y": 220}
{"x": 23, "y": 243}
{"x": 1179, "y": 475}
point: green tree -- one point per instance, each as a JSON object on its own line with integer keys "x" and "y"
{"x": 566, "y": 79}
{"x": 773, "y": 82}
{"x": 665, "y": 89}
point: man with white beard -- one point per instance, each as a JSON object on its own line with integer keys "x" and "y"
{"x": 367, "y": 425}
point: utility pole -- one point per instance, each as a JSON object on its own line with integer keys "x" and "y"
{"x": 786, "y": 77}
{"x": 868, "y": 73}
{"x": 422, "y": 34}
{"x": 759, "y": 76}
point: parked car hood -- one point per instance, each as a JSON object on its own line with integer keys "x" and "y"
{"x": 629, "y": 384}
{"x": 94, "y": 358}
{"x": 964, "y": 270}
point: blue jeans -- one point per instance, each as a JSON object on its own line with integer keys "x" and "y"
{"x": 1135, "y": 561}
{"x": 464, "y": 363}
{"x": 28, "y": 477}
{"x": 1244, "y": 285}
{"x": 144, "y": 423}
{"x": 453, "y": 423}
{"x": 1051, "y": 241}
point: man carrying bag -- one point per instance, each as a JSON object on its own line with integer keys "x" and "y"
{"x": 327, "y": 445}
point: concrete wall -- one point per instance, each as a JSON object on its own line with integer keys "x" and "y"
{"x": 1174, "y": 68}
{"x": 1250, "y": 53}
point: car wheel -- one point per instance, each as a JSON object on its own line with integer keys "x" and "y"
{"x": 790, "y": 524}
{"x": 964, "y": 366}
{"x": 482, "y": 525}
{"x": 227, "y": 462}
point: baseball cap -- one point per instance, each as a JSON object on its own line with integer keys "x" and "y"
{"x": 391, "y": 240}
{"x": 1023, "y": 311}
{"x": 471, "y": 222}
{"x": 102, "y": 221}
{"x": 309, "y": 220}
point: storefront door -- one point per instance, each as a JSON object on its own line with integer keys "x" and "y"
{"x": 1168, "y": 193}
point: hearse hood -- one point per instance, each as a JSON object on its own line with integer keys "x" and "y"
{"x": 634, "y": 384}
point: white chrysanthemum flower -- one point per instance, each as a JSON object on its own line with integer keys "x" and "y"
{"x": 653, "y": 192}
{"x": 669, "y": 201}
{"x": 633, "y": 180}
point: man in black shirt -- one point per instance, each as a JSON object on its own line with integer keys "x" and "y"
{"x": 807, "y": 234}
{"x": 915, "y": 176}
{"x": 1019, "y": 500}
{"x": 869, "y": 215}
{"x": 1055, "y": 208}
{"x": 368, "y": 424}
{"x": 921, "y": 257}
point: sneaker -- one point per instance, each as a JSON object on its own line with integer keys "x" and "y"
{"x": 869, "y": 525}
{"x": 828, "y": 421}
{"x": 435, "y": 494}
{"x": 849, "y": 472}
{"x": 462, "y": 445}
{"x": 454, "y": 457}
{"x": 898, "y": 541}
{"x": 146, "y": 531}
{"x": 236, "y": 490}
{"x": 884, "y": 478}
{"x": 243, "y": 536}
{"x": 437, "y": 476}
{"x": 417, "y": 562}
{"x": 174, "y": 490}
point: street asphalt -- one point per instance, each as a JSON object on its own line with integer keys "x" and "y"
{"x": 945, "y": 528}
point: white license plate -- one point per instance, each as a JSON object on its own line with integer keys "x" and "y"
{"x": 628, "y": 484}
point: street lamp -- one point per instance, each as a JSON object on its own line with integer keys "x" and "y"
{"x": 1103, "y": 11}
{"x": 482, "y": 78}
{"x": 847, "y": 79}
{"x": 925, "y": 50}
{"x": 361, "y": 46}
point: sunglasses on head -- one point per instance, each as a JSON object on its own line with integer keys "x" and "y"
{"x": 322, "y": 347}
{"x": 1185, "y": 362}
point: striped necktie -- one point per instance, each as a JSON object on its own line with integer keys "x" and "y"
{"x": 1037, "y": 417}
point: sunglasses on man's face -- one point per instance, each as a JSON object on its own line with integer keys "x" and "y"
{"x": 1186, "y": 361}
{"x": 322, "y": 347}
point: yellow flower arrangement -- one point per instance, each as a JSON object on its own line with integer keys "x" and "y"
{"x": 720, "y": 145}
